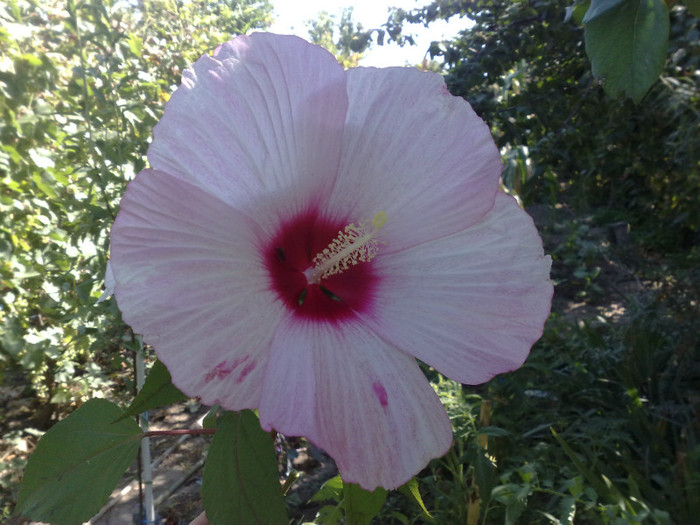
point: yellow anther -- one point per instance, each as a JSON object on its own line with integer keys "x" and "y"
{"x": 379, "y": 220}
{"x": 353, "y": 245}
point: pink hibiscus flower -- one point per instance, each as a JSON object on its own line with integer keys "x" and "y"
{"x": 307, "y": 232}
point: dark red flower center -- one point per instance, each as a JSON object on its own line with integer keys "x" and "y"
{"x": 330, "y": 292}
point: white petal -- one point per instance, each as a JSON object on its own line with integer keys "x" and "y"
{"x": 265, "y": 114}
{"x": 415, "y": 152}
{"x": 362, "y": 401}
{"x": 472, "y": 304}
{"x": 190, "y": 279}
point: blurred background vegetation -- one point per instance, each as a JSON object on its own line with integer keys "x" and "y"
{"x": 600, "y": 425}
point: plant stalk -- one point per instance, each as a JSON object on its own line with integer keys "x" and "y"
{"x": 148, "y": 505}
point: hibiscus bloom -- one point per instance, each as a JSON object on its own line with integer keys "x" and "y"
{"x": 305, "y": 233}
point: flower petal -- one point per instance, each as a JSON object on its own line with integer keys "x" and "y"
{"x": 472, "y": 304}
{"x": 189, "y": 278}
{"x": 109, "y": 284}
{"x": 415, "y": 152}
{"x": 265, "y": 113}
{"x": 362, "y": 401}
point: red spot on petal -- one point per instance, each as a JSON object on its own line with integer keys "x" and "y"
{"x": 247, "y": 370}
{"x": 291, "y": 252}
{"x": 223, "y": 369}
{"x": 219, "y": 372}
{"x": 380, "y": 392}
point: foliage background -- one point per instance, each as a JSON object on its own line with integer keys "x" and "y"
{"x": 616, "y": 374}
{"x": 81, "y": 86}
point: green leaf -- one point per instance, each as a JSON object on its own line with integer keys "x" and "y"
{"x": 605, "y": 489}
{"x": 209, "y": 420}
{"x": 77, "y": 464}
{"x": 580, "y": 10}
{"x": 514, "y": 497}
{"x": 362, "y": 505}
{"x": 330, "y": 490}
{"x": 627, "y": 41}
{"x": 485, "y": 475}
{"x": 158, "y": 390}
{"x": 32, "y": 60}
{"x": 600, "y": 7}
{"x": 240, "y": 474}
{"x": 329, "y": 515}
{"x": 693, "y": 6}
{"x": 44, "y": 186}
{"x": 577, "y": 11}
{"x": 135, "y": 44}
{"x": 410, "y": 489}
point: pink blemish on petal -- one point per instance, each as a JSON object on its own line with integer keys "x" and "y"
{"x": 239, "y": 361}
{"x": 222, "y": 370}
{"x": 380, "y": 392}
{"x": 247, "y": 370}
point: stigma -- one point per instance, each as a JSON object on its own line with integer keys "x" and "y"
{"x": 352, "y": 245}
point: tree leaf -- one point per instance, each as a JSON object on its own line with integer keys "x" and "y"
{"x": 362, "y": 505}
{"x": 44, "y": 186}
{"x": 158, "y": 390}
{"x": 627, "y": 41}
{"x": 240, "y": 474}
{"x": 77, "y": 464}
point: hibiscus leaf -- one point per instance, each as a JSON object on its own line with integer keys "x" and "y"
{"x": 240, "y": 474}
{"x": 362, "y": 505}
{"x": 77, "y": 464}
{"x": 158, "y": 390}
{"x": 627, "y": 41}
